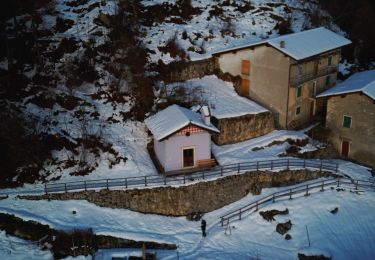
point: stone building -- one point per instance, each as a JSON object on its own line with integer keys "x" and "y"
{"x": 182, "y": 138}
{"x": 284, "y": 74}
{"x": 351, "y": 117}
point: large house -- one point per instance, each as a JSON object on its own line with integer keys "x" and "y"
{"x": 182, "y": 138}
{"x": 351, "y": 117}
{"x": 284, "y": 74}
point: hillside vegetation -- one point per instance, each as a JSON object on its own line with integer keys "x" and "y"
{"x": 77, "y": 78}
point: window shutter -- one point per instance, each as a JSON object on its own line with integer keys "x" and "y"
{"x": 347, "y": 122}
{"x": 329, "y": 60}
{"x": 328, "y": 80}
{"x": 245, "y": 87}
{"x": 245, "y": 68}
{"x": 299, "y": 91}
{"x": 298, "y": 110}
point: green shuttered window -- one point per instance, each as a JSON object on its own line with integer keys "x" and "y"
{"x": 347, "y": 122}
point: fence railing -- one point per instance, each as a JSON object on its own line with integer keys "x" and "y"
{"x": 305, "y": 189}
{"x": 299, "y": 79}
{"x": 218, "y": 171}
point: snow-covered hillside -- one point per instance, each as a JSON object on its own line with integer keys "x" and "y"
{"x": 89, "y": 84}
{"x": 225, "y": 23}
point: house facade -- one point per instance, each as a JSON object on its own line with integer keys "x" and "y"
{"x": 285, "y": 74}
{"x": 351, "y": 117}
{"x": 182, "y": 138}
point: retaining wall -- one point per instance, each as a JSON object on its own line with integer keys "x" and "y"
{"x": 199, "y": 197}
{"x": 238, "y": 129}
{"x": 182, "y": 71}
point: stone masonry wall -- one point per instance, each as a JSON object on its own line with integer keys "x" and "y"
{"x": 180, "y": 201}
{"x": 238, "y": 129}
{"x": 191, "y": 69}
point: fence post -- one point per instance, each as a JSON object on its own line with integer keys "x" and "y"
{"x": 238, "y": 168}
{"x": 307, "y": 190}
{"x": 290, "y": 194}
{"x": 145, "y": 181}
{"x": 257, "y": 166}
{"x": 273, "y": 198}
{"x": 45, "y": 188}
{"x": 337, "y": 167}
{"x": 322, "y": 189}
{"x": 126, "y": 183}
{"x": 221, "y": 171}
{"x": 240, "y": 213}
{"x": 222, "y": 221}
{"x": 184, "y": 178}
{"x": 321, "y": 165}
{"x": 287, "y": 164}
{"x": 107, "y": 185}
{"x": 338, "y": 182}
{"x": 66, "y": 190}
{"x": 271, "y": 164}
{"x": 256, "y": 204}
{"x": 304, "y": 163}
{"x": 85, "y": 185}
{"x": 203, "y": 175}
{"x": 356, "y": 185}
{"x": 165, "y": 180}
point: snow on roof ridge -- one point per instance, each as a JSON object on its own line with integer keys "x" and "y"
{"x": 316, "y": 41}
{"x": 363, "y": 81}
{"x": 171, "y": 119}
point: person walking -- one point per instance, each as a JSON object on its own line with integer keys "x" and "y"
{"x": 203, "y": 227}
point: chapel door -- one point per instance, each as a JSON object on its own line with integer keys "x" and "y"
{"x": 188, "y": 157}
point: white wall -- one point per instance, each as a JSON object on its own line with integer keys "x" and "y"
{"x": 173, "y": 149}
{"x": 159, "y": 148}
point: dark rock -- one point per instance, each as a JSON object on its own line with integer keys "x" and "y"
{"x": 282, "y": 228}
{"x": 334, "y": 211}
{"x": 194, "y": 216}
{"x": 313, "y": 257}
{"x": 269, "y": 215}
{"x": 288, "y": 237}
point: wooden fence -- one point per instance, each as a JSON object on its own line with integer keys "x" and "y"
{"x": 305, "y": 189}
{"x": 218, "y": 171}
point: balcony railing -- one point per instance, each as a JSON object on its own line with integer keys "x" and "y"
{"x": 299, "y": 79}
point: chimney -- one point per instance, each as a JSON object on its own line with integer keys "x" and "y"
{"x": 282, "y": 44}
{"x": 206, "y": 115}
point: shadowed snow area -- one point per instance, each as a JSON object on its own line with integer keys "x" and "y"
{"x": 344, "y": 235}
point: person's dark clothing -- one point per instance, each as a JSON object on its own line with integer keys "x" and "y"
{"x": 203, "y": 227}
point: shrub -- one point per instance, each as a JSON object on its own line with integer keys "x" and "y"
{"x": 173, "y": 48}
{"x": 284, "y": 26}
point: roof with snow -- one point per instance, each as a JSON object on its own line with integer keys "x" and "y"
{"x": 363, "y": 82}
{"x": 301, "y": 45}
{"x": 221, "y": 97}
{"x": 172, "y": 119}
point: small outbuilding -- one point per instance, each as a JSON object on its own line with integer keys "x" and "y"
{"x": 182, "y": 138}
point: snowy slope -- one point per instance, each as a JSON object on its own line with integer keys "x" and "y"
{"x": 205, "y": 31}
{"x": 346, "y": 235}
{"x": 218, "y": 94}
{"x": 13, "y": 248}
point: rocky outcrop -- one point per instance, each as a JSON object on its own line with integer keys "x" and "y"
{"x": 199, "y": 197}
{"x": 282, "y": 228}
{"x": 238, "y": 129}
